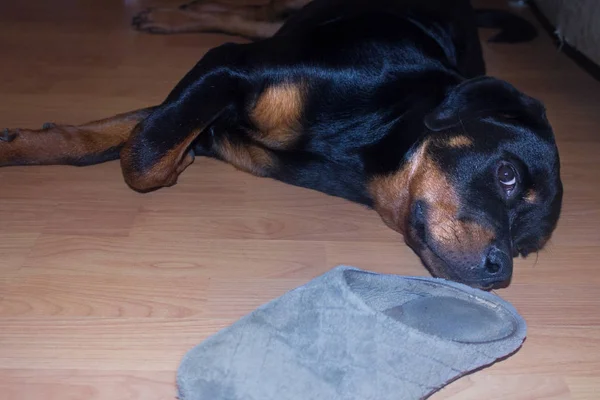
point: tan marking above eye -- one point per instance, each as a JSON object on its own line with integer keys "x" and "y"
{"x": 277, "y": 114}
{"x": 531, "y": 196}
{"x": 459, "y": 141}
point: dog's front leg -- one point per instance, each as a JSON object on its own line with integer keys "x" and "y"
{"x": 160, "y": 148}
{"x": 90, "y": 143}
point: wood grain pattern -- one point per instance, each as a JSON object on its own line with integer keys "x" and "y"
{"x": 102, "y": 289}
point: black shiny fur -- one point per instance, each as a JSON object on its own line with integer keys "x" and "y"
{"x": 380, "y": 77}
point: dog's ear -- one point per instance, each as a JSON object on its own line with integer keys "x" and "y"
{"x": 484, "y": 96}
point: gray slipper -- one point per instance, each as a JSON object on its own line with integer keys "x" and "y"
{"x": 354, "y": 335}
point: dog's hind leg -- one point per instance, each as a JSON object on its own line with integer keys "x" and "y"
{"x": 86, "y": 144}
{"x": 251, "y": 21}
{"x": 173, "y": 20}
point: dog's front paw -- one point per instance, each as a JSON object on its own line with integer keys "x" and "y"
{"x": 25, "y": 146}
{"x": 9, "y": 146}
{"x": 8, "y": 135}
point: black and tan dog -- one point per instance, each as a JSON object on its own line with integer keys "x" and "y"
{"x": 384, "y": 103}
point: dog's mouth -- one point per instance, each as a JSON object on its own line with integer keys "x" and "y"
{"x": 417, "y": 241}
{"x": 436, "y": 265}
{"x": 440, "y": 268}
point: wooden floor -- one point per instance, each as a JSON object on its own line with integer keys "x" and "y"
{"x": 102, "y": 290}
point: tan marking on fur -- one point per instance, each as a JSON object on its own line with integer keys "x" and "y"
{"x": 422, "y": 179}
{"x": 459, "y": 141}
{"x": 277, "y": 115}
{"x": 164, "y": 172}
{"x": 531, "y": 196}
{"x": 391, "y": 192}
{"x": 248, "y": 157}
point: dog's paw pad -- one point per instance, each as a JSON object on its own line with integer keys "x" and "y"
{"x": 8, "y": 136}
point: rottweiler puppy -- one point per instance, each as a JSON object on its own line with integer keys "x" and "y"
{"x": 383, "y": 103}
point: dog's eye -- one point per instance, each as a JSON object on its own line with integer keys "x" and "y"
{"x": 507, "y": 176}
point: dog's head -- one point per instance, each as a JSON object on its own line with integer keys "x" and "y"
{"x": 481, "y": 187}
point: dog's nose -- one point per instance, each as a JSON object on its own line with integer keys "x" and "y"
{"x": 497, "y": 266}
